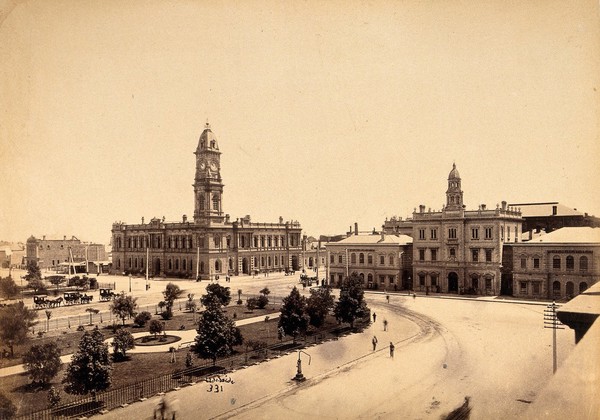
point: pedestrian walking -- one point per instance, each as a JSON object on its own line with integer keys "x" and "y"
{"x": 160, "y": 412}
{"x": 385, "y": 325}
{"x": 392, "y": 350}
{"x": 387, "y": 297}
{"x": 374, "y": 317}
{"x": 374, "y": 341}
{"x": 414, "y": 296}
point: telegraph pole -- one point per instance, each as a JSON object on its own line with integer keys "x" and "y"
{"x": 551, "y": 321}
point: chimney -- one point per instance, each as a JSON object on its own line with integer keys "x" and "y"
{"x": 503, "y": 205}
{"x": 355, "y": 228}
{"x": 142, "y": 220}
{"x": 382, "y": 234}
{"x": 184, "y": 218}
{"x": 64, "y": 237}
{"x": 44, "y": 238}
{"x": 531, "y": 234}
{"x": 483, "y": 206}
{"x": 554, "y": 210}
{"x": 280, "y": 220}
{"x": 421, "y": 208}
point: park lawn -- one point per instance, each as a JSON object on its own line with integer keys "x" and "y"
{"x": 137, "y": 368}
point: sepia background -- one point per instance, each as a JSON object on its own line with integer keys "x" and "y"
{"x": 328, "y": 113}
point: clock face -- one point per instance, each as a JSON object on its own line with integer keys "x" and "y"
{"x": 202, "y": 165}
{"x": 213, "y": 166}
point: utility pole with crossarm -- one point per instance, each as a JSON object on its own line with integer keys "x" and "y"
{"x": 551, "y": 321}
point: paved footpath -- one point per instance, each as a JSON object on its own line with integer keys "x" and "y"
{"x": 186, "y": 336}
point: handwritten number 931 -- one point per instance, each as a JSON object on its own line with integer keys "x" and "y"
{"x": 215, "y": 388}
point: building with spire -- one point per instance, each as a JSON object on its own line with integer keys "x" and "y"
{"x": 211, "y": 244}
{"x": 456, "y": 250}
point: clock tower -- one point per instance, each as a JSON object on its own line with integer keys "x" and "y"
{"x": 208, "y": 185}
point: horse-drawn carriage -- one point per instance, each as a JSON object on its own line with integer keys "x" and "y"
{"x": 76, "y": 297}
{"x": 42, "y": 301}
{"x": 289, "y": 272}
{"x": 106, "y": 294}
{"x": 308, "y": 281}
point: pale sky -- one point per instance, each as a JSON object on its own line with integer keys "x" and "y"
{"x": 328, "y": 113}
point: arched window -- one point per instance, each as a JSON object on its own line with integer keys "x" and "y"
{"x": 217, "y": 266}
{"x": 391, "y": 260}
{"x": 255, "y": 261}
{"x": 361, "y": 258}
{"x": 340, "y": 258}
{"x": 353, "y": 258}
{"x": 202, "y": 266}
{"x": 255, "y": 242}
{"x": 170, "y": 264}
{"x": 231, "y": 264}
{"x": 129, "y": 262}
{"x": 268, "y": 261}
{"x": 570, "y": 262}
{"x": 135, "y": 263}
{"x": 262, "y": 241}
{"x": 119, "y": 263}
{"x": 184, "y": 263}
{"x": 269, "y": 242}
{"x": 583, "y": 263}
{"x": 215, "y": 201}
{"x": 382, "y": 259}
{"x": 570, "y": 289}
{"x": 262, "y": 261}
{"x": 201, "y": 202}
{"x": 370, "y": 278}
{"x": 176, "y": 263}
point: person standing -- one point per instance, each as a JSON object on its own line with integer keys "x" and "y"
{"x": 392, "y": 350}
{"x": 374, "y": 317}
{"x": 385, "y": 324}
{"x": 374, "y": 341}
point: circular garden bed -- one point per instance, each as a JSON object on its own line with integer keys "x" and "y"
{"x": 160, "y": 340}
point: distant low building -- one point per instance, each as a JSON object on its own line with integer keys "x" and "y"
{"x": 382, "y": 261}
{"x": 59, "y": 254}
{"x": 553, "y": 215}
{"x": 558, "y": 265}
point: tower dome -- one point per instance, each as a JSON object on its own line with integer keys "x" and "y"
{"x": 454, "y": 172}
{"x": 207, "y": 140}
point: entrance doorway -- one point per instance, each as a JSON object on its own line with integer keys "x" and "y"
{"x": 295, "y": 265}
{"x": 245, "y": 268}
{"x": 452, "y": 282}
{"x": 157, "y": 267}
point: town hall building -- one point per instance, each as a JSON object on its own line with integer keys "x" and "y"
{"x": 211, "y": 244}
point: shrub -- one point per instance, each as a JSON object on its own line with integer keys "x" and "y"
{"x": 239, "y": 302}
{"x": 142, "y": 318}
{"x": 53, "y": 397}
{"x": 155, "y": 327}
{"x": 252, "y": 304}
{"x": 262, "y": 301}
{"x": 81, "y": 328}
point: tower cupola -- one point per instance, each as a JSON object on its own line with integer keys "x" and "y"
{"x": 454, "y": 194}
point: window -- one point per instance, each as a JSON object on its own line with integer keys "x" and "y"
{"x": 269, "y": 241}
{"x": 361, "y": 258}
{"x": 340, "y": 259}
{"x": 474, "y": 233}
{"x": 556, "y": 262}
{"x": 434, "y": 279}
{"x": 391, "y": 260}
{"x": 523, "y": 262}
{"x": 433, "y": 234}
{"x": 382, "y": 259}
{"x": 215, "y": 202}
{"x": 488, "y": 255}
{"x": 488, "y": 233}
{"x": 536, "y": 263}
{"x": 331, "y": 259}
{"x": 421, "y": 279}
{"x": 392, "y": 279}
{"x": 523, "y": 287}
{"x": 452, "y": 233}
{"x": 583, "y": 263}
{"x": 536, "y": 287}
{"x": 381, "y": 279}
{"x": 370, "y": 259}
{"x": 421, "y": 233}
{"x": 255, "y": 242}
{"x": 488, "y": 283}
{"x": 353, "y": 258}
{"x": 421, "y": 255}
{"x": 262, "y": 241}
{"x": 452, "y": 252}
{"x": 475, "y": 255}
{"x": 570, "y": 262}
{"x": 217, "y": 266}
{"x": 434, "y": 255}
{"x": 277, "y": 259}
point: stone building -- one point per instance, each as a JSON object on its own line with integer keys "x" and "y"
{"x": 553, "y": 215}
{"x": 460, "y": 251}
{"x": 382, "y": 260}
{"x": 211, "y": 244}
{"x": 558, "y": 265}
{"x": 57, "y": 254}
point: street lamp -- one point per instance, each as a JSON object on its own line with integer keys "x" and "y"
{"x": 130, "y": 283}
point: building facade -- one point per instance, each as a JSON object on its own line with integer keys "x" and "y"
{"x": 383, "y": 261}
{"x": 553, "y": 215}
{"x": 460, "y": 251}
{"x": 211, "y": 244}
{"x": 558, "y": 265}
{"x": 57, "y": 254}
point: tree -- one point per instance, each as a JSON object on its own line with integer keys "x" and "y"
{"x": 42, "y": 362}
{"x": 142, "y": 318}
{"x": 15, "y": 322}
{"x": 122, "y": 341}
{"x": 217, "y": 334}
{"x": 171, "y": 293}
{"x": 190, "y": 305}
{"x": 263, "y": 299}
{"x": 33, "y": 271}
{"x": 293, "y": 318}
{"x": 7, "y": 408}
{"x": 8, "y": 288}
{"x": 37, "y": 285}
{"x": 252, "y": 303}
{"x": 223, "y": 294}
{"x": 351, "y": 304}
{"x": 123, "y": 306}
{"x": 318, "y": 305}
{"x": 53, "y": 397}
{"x": 56, "y": 280}
{"x": 90, "y": 368}
{"x": 48, "y": 316}
{"x": 155, "y": 327}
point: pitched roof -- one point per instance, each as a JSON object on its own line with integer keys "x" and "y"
{"x": 545, "y": 209}
{"x": 571, "y": 235}
{"x": 375, "y": 239}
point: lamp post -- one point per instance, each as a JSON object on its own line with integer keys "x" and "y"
{"x": 130, "y": 283}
